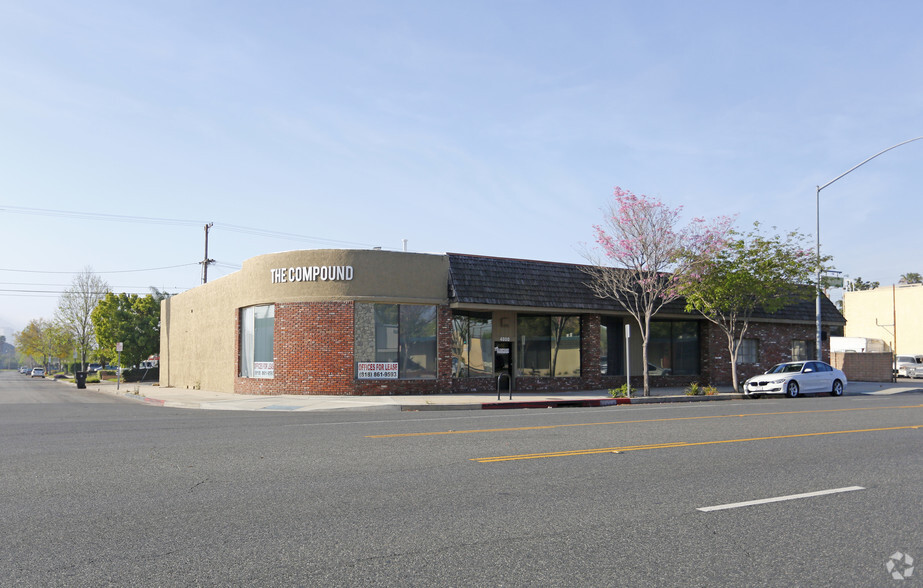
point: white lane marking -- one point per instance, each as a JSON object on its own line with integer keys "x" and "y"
{"x": 779, "y": 499}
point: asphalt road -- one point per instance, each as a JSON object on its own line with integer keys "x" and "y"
{"x": 100, "y": 490}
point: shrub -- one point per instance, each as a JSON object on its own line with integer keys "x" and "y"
{"x": 621, "y": 392}
{"x": 141, "y": 375}
{"x": 695, "y": 389}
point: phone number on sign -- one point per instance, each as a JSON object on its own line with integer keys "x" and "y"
{"x": 377, "y": 371}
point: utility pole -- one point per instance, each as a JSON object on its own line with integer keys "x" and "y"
{"x": 206, "y": 262}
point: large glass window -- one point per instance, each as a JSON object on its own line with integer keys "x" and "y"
{"x": 256, "y": 341}
{"x": 673, "y": 348}
{"x": 611, "y": 346}
{"x": 549, "y": 346}
{"x": 417, "y": 337}
{"x": 395, "y": 341}
{"x": 472, "y": 345}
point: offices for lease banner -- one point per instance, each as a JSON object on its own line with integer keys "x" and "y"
{"x": 384, "y": 322}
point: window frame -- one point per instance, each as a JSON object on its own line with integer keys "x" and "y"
{"x": 748, "y": 356}
{"x": 251, "y": 344}
{"x": 553, "y": 369}
{"x": 382, "y": 335}
{"x": 462, "y": 346}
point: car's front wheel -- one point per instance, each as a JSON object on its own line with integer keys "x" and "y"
{"x": 837, "y": 388}
{"x": 791, "y": 390}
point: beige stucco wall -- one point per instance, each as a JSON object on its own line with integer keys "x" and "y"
{"x": 198, "y": 331}
{"x": 873, "y": 314}
{"x": 199, "y": 327}
{"x": 379, "y": 276}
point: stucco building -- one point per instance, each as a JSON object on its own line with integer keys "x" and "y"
{"x": 382, "y": 322}
{"x": 891, "y": 313}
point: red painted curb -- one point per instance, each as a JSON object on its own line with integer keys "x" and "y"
{"x": 584, "y": 403}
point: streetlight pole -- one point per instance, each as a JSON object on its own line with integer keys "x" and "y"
{"x": 819, "y": 188}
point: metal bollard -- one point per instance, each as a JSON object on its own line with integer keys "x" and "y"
{"x": 509, "y": 382}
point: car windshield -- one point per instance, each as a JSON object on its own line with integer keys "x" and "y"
{"x": 786, "y": 368}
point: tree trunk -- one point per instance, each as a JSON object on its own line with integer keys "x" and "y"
{"x": 733, "y": 355}
{"x": 644, "y": 338}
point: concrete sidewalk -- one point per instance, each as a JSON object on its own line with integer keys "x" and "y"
{"x": 201, "y": 399}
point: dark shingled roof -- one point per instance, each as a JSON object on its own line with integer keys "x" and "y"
{"x": 541, "y": 284}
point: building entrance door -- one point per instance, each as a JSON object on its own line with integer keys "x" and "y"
{"x": 503, "y": 365}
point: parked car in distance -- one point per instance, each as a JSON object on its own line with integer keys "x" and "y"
{"x": 797, "y": 377}
{"x": 25, "y": 370}
{"x": 94, "y": 367}
{"x": 38, "y": 372}
{"x": 656, "y": 370}
{"x": 902, "y": 363}
{"x": 916, "y": 370}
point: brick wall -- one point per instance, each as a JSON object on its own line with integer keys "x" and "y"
{"x": 314, "y": 354}
{"x": 313, "y": 345}
{"x": 312, "y": 348}
{"x": 775, "y": 346}
{"x": 864, "y": 367}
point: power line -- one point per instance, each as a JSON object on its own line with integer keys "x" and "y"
{"x": 232, "y": 266}
{"x": 145, "y": 290}
{"x": 96, "y": 216}
{"x": 152, "y": 269}
{"x": 282, "y": 235}
{"x": 69, "y": 285}
{"x": 173, "y": 221}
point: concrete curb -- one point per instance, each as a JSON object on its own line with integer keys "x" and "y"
{"x": 293, "y": 403}
{"x": 576, "y": 403}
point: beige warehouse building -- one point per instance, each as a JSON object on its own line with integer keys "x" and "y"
{"x": 891, "y": 313}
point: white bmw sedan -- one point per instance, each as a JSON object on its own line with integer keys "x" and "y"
{"x": 797, "y": 377}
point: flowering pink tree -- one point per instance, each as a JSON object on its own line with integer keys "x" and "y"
{"x": 753, "y": 273}
{"x": 643, "y": 254}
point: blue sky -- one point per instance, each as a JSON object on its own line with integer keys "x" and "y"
{"x": 484, "y": 127}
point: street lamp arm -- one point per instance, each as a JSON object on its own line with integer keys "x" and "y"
{"x": 818, "y": 334}
{"x": 882, "y": 152}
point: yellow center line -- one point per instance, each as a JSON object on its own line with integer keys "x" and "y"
{"x": 691, "y": 418}
{"x": 673, "y": 445}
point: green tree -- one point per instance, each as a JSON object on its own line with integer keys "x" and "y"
{"x": 75, "y": 307}
{"x": 859, "y": 285}
{"x": 39, "y": 341}
{"x": 752, "y": 273}
{"x": 131, "y": 320}
{"x": 911, "y": 278}
{"x": 60, "y": 342}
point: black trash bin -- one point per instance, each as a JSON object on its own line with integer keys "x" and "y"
{"x": 81, "y": 378}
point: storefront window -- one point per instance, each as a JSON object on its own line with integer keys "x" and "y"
{"x": 395, "y": 341}
{"x": 673, "y": 348}
{"x": 611, "y": 346}
{"x": 417, "y": 336}
{"x": 256, "y": 341}
{"x": 472, "y": 345}
{"x": 386, "y": 329}
{"x": 549, "y": 346}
